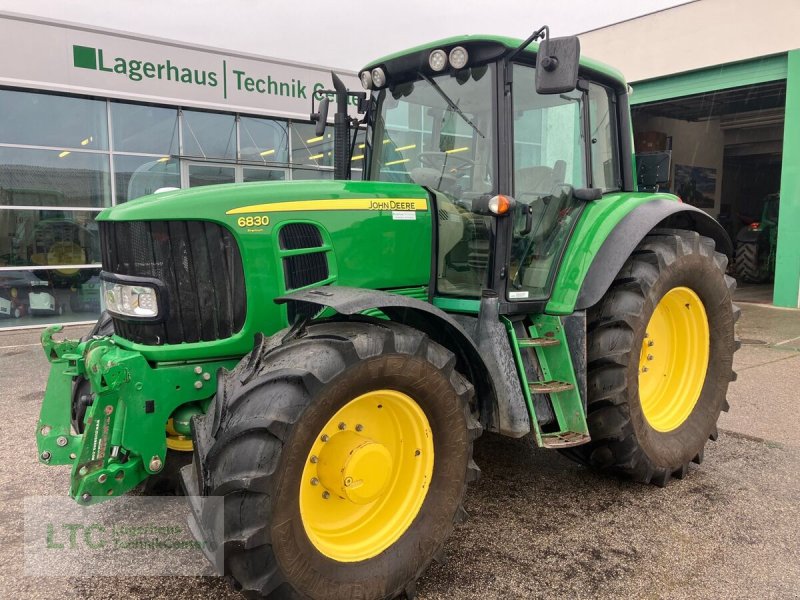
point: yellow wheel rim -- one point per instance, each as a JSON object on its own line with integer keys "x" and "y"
{"x": 674, "y": 359}
{"x": 366, "y": 476}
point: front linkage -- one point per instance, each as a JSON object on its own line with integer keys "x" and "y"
{"x": 124, "y": 440}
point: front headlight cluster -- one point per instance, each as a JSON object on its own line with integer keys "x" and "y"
{"x": 134, "y": 300}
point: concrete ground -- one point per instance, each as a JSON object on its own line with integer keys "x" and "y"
{"x": 540, "y": 526}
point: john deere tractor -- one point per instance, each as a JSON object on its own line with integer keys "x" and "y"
{"x": 757, "y": 245}
{"x": 329, "y": 351}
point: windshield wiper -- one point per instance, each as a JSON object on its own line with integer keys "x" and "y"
{"x": 453, "y": 106}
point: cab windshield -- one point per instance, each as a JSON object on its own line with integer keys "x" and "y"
{"x": 437, "y": 132}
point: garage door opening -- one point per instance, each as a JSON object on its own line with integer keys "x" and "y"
{"x": 726, "y": 159}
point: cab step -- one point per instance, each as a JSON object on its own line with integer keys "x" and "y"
{"x": 550, "y": 387}
{"x": 543, "y": 342}
{"x": 564, "y": 439}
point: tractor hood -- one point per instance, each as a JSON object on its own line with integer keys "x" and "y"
{"x": 289, "y": 236}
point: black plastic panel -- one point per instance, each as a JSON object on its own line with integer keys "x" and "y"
{"x": 305, "y": 269}
{"x": 296, "y": 236}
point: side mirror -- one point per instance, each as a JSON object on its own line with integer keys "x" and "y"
{"x": 652, "y": 170}
{"x": 321, "y": 117}
{"x": 557, "y": 65}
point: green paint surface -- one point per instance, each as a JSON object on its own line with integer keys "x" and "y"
{"x": 720, "y": 77}
{"x": 787, "y": 266}
{"x": 599, "y": 218}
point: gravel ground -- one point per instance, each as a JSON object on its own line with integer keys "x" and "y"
{"x": 539, "y": 527}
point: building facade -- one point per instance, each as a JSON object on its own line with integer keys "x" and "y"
{"x": 92, "y": 118}
{"x": 717, "y": 82}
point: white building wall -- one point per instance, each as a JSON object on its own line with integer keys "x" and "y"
{"x": 696, "y": 35}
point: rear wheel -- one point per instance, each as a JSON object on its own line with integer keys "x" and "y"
{"x": 342, "y": 458}
{"x": 660, "y": 355}
{"x": 748, "y": 263}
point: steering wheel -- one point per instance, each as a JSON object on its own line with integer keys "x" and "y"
{"x": 438, "y": 160}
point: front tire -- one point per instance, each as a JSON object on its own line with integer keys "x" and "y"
{"x": 285, "y": 413}
{"x": 660, "y": 355}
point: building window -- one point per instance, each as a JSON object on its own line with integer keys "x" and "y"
{"x": 209, "y": 135}
{"x": 263, "y": 140}
{"x": 136, "y": 176}
{"x": 34, "y": 119}
{"x": 144, "y": 129}
{"x": 311, "y": 149}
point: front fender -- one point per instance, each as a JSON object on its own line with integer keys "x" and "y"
{"x": 607, "y": 234}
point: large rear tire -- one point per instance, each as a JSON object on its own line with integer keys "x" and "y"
{"x": 747, "y": 263}
{"x": 342, "y": 457}
{"x": 660, "y": 356}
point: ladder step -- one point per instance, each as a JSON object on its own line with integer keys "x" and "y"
{"x": 564, "y": 439}
{"x": 550, "y": 387}
{"x": 543, "y": 342}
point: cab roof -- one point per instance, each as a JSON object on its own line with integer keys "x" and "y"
{"x": 489, "y": 47}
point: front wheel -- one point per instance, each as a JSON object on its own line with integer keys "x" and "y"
{"x": 660, "y": 355}
{"x": 342, "y": 458}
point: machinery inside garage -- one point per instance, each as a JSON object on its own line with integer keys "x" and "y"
{"x": 726, "y": 159}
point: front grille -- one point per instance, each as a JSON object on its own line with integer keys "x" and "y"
{"x": 201, "y": 269}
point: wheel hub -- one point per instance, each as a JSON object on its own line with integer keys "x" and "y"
{"x": 354, "y": 467}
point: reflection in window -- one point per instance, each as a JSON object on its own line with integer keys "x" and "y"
{"x": 48, "y": 120}
{"x": 136, "y": 176}
{"x": 263, "y": 140}
{"x": 200, "y": 175}
{"x": 48, "y": 237}
{"x": 54, "y": 178}
{"x": 256, "y": 174}
{"x": 303, "y": 174}
{"x": 209, "y": 135}
{"x": 142, "y": 128}
{"x": 308, "y": 148}
{"x": 37, "y": 298}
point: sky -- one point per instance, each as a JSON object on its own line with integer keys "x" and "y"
{"x": 312, "y": 31}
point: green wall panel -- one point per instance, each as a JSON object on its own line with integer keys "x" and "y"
{"x": 787, "y": 268}
{"x": 759, "y": 70}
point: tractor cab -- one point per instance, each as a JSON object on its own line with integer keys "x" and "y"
{"x": 510, "y": 151}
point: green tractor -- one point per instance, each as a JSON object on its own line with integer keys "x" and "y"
{"x": 329, "y": 351}
{"x": 757, "y": 245}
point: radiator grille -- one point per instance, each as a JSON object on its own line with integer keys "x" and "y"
{"x": 200, "y": 266}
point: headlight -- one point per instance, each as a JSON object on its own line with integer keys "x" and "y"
{"x": 438, "y": 60}
{"x": 459, "y": 57}
{"x": 378, "y": 77}
{"x": 130, "y": 300}
{"x": 366, "y": 80}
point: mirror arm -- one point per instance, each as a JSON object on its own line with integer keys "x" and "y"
{"x": 541, "y": 33}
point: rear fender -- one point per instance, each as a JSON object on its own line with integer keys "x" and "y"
{"x": 625, "y": 233}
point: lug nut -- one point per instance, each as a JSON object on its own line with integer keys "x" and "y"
{"x": 324, "y": 437}
{"x": 155, "y": 464}
{"x": 326, "y": 495}
{"x": 46, "y": 430}
{"x": 206, "y": 376}
{"x": 649, "y": 357}
{"x": 86, "y": 497}
{"x": 314, "y": 460}
{"x": 342, "y": 426}
{"x": 651, "y": 343}
{"x": 644, "y": 369}
{"x": 359, "y": 428}
{"x": 198, "y": 384}
{"x": 72, "y": 456}
{"x": 61, "y": 441}
{"x": 314, "y": 481}
{"x": 46, "y": 456}
{"x": 198, "y": 370}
